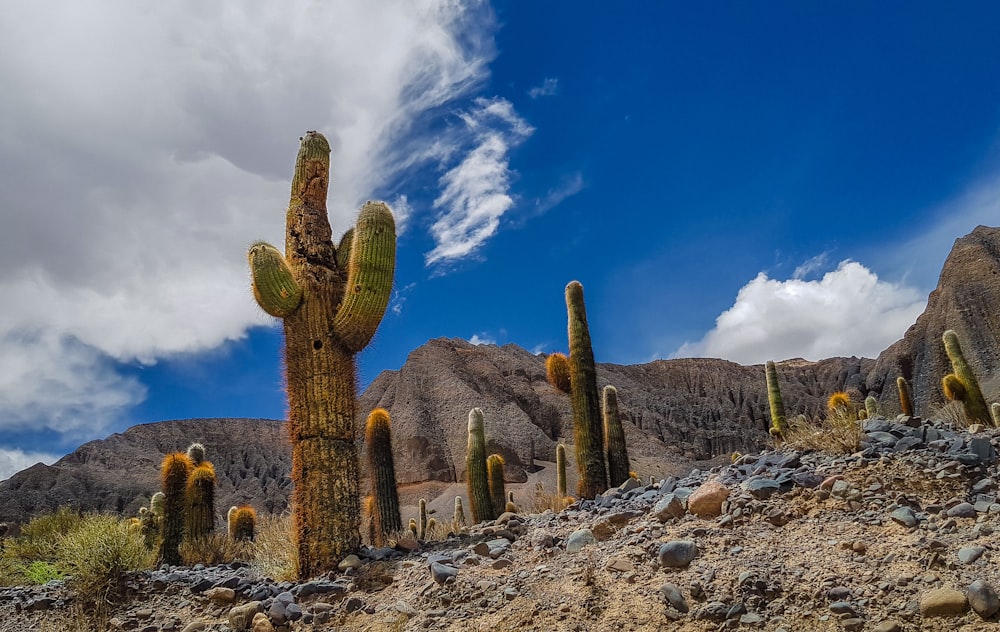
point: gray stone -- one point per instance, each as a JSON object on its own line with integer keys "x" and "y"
{"x": 677, "y": 553}
{"x": 962, "y": 510}
{"x": 969, "y": 554}
{"x": 276, "y": 613}
{"x": 842, "y": 607}
{"x": 888, "y": 626}
{"x": 904, "y": 516}
{"x": 442, "y": 572}
{"x": 293, "y": 612}
{"x": 982, "y": 448}
{"x": 579, "y": 539}
{"x": 761, "y": 488}
{"x": 669, "y": 506}
{"x": 983, "y": 598}
{"x": 907, "y": 443}
{"x": 674, "y": 597}
{"x": 883, "y": 437}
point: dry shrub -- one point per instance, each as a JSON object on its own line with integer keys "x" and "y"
{"x": 952, "y": 413}
{"x": 214, "y": 548}
{"x": 98, "y": 553}
{"x": 544, "y": 500}
{"x": 839, "y": 433}
{"x": 39, "y": 539}
{"x": 272, "y": 553}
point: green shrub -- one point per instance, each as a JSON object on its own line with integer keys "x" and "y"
{"x": 99, "y": 552}
{"x": 39, "y": 539}
{"x": 40, "y": 572}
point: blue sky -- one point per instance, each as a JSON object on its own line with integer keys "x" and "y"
{"x": 748, "y": 181}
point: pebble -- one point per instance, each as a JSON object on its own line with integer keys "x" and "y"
{"x": 943, "y": 602}
{"x": 579, "y": 539}
{"x": 983, "y": 598}
{"x": 969, "y": 554}
{"x": 904, "y": 516}
{"x": 706, "y": 501}
{"x": 674, "y": 597}
{"x": 677, "y": 553}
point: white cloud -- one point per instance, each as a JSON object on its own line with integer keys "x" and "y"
{"x": 569, "y": 187}
{"x": 847, "y": 312}
{"x": 548, "y": 88}
{"x": 144, "y": 146}
{"x": 482, "y": 339}
{"x": 811, "y": 265}
{"x": 475, "y": 192}
{"x": 13, "y": 461}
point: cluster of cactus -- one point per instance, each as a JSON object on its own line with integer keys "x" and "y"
{"x": 151, "y": 520}
{"x": 961, "y": 384}
{"x": 779, "y": 427}
{"x": 384, "y": 513}
{"x": 241, "y": 523}
{"x": 331, "y": 299}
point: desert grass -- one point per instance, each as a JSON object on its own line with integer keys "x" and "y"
{"x": 98, "y": 553}
{"x": 272, "y": 553}
{"x": 952, "y": 413}
{"x": 544, "y": 500}
{"x": 838, "y": 433}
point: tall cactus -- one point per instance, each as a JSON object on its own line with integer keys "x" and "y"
{"x": 588, "y": 435}
{"x": 557, "y": 372}
{"x": 173, "y": 478}
{"x": 477, "y": 481}
{"x": 975, "y": 403}
{"x": 779, "y": 427}
{"x": 378, "y": 446}
{"x": 614, "y": 439}
{"x": 199, "y": 513}
{"x": 494, "y": 472}
{"x": 332, "y": 300}
{"x": 422, "y": 519}
{"x": 905, "y": 398}
{"x": 561, "y": 470}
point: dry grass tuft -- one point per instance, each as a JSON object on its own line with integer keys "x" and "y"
{"x": 99, "y": 552}
{"x": 544, "y": 500}
{"x": 214, "y": 548}
{"x": 273, "y": 551}
{"x": 952, "y": 413}
{"x": 839, "y": 433}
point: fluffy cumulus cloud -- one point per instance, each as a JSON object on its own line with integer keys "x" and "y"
{"x": 848, "y": 311}
{"x": 144, "y": 146}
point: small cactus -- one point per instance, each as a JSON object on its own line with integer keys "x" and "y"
{"x": 477, "y": 479}
{"x": 412, "y": 526}
{"x": 871, "y": 406}
{"x": 378, "y": 445}
{"x": 510, "y": 507}
{"x": 242, "y": 523}
{"x": 905, "y": 400}
{"x": 156, "y": 503}
{"x": 557, "y": 372}
{"x": 779, "y": 428}
{"x": 995, "y": 413}
{"x": 614, "y": 439}
{"x": 430, "y": 528}
{"x": 173, "y": 477}
{"x": 149, "y": 525}
{"x": 975, "y": 404}
{"x": 561, "y": 470}
{"x": 459, "y": 517}
{"x": 422, "y": 520}
{"x": 196, "y": 452}
{"x": 199, "y": 517}
{"x": 494, "y": 472}
{"x": 839, "y": 404}
{"x": 863, "y": 414}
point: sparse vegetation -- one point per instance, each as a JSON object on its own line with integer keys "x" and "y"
{"x": 98, "y": 552}
{"x": 838, "y": 433}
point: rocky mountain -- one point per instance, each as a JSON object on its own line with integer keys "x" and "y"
{"x": 675, "y": 412}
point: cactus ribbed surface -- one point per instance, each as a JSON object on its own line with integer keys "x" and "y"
{"x": 494, "y": 472}
{"x": 614, "y": 439}
{"x": 905, "y": 398}
{"x": 331, "y": 304}
{"x": 588, "y": 435}
{"x": 242, "y": 523}
{"x": 557, "y": 372}
{"x": 975, "y": 403}
{"x": 561, "y": 470}
{"x": 779, "y": 428}
{"x": 871, "y": 406}
{"x": 422, "y": 519}
{"x": 477, "y": 481}
{"x": 378, "y": 446}
{"x": 173, "y": 477}
{"x": 459, "y": 517}
{"x": 199, "y": 515}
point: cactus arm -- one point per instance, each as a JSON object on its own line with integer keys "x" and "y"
{"x": 274, "y": 286}
{"x": 975, "y": 403}
{"x": 372, "y": 262}
{"x": 344, "y": 249}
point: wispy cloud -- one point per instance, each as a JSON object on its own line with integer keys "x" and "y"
{"x": 569, "y": 187}
{"x": 399, "y": 297}
{"x": 475, "y": 192}
{"x": 548, "y": 88}
{"x": 482, "y": 339}
{"x": 849, "y": 311}
{"x": 811, "y": 265}
{"x": 13, "y": 461}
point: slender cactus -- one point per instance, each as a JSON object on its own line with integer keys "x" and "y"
{"x": 557, "y": 372}
{"x": 459, "y": 518}
{"x": 422, "y": 520}
{"x": 332, "y": 300}
{"x": 588, "y": 435}
{"x": 871, "y": 406}
{"x": 173, "y": 478}
{"x": 905, "y": 400}
{"x": 412, "y": 526}
{"x": 199, "y": 516}
{"x": 477, "y": 480}
{"x": 995, "y": 413}
{"x": 975, "y": 403}
{"x": 494, "y": 473}
{"x": 378, "y": 445}
{"x": 561, "y": 470}
{"x": 779, "y": 428}
{"x": 614, "y": 439}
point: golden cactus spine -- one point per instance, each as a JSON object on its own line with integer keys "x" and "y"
{"x": 614, "y": 439}
{"x": 412, "y": 526}
{"x": 382, "y": 471}
{"x": 905, "y": 397}
{"x": 557, "y": 372}
{"x": 332, "y": 300}
{"x": 588, "y": 435}
{"x": 173, "y": 479}
{"x": 954, "y": 390}
{"x": 494, "y": 473}
{"x": 477, "y": 481}
{"x": 242, "y": 523}
{"x": 975, "y": 403}
{"x": 779, "y": 428}
{"x": 199, "y": 514}
{"x": 561, "y": 470}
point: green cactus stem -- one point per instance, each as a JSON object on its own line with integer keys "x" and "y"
{"x": 242, "y": 523}
{"x": 494, "y": 472}
{"x": 378, "y": 446}
{"x": 871, "y": 406}
{"x": 975, "y": 403}
{"x": 331, "y": 304}
{"x": 588, "y": 435}
{"x": 430, "y": 528}
{"x": 459, "y": 517}
{"x": 477, "y": 481}
{"x": 422, "y": 519}
{"x": 173, "y": 478}
{"x": 905, "y": 399}
{"x": 561, "y": 470}
{"x": 995, "y": 413}
{"x": 863, "y": 413}
{"x": 954, "y": 390}
{"x": 199, "y": 515}
{"x": 779, "y": 428}
{"x": 557, "y": 372}
{"x": 614, "y": 438}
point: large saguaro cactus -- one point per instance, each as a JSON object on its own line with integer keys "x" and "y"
{"x": 975, "y": 404}
{"x": 332, "y": 299}
{"x": 477, "y": 479}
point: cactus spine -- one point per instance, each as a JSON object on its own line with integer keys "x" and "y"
{"x": 779, "y": 428}
{"x": 561, "y": 470}
{"x": 196, "y": 452}
{"x": 422, "y": 520}
{"x": 588, "y": 436}
{"x": 557, "y": 372}
{"x": 871, "y": 406}
{"x": 975, "y": 404}
{"x": 494, "y": 472}
{"x": 173, "y": 479}
{"x": 614, "y": 439}
{"x": 151, "y": 520}
{"x": 459, "y": 517}
{"x": 332, "y": 300}
{"x": 905, "y": 400}
{"x": 475, "y": 462}
{"x": 378, "y": 445}
{"x": 199, "y": 516}
{"x": 242, "y": 523}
